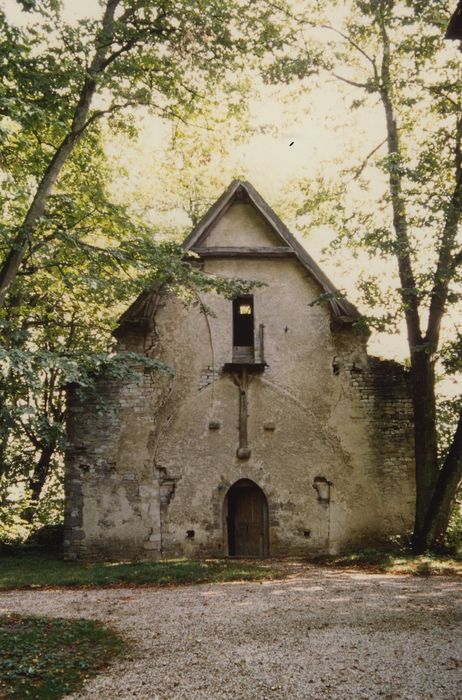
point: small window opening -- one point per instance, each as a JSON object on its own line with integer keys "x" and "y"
{"x": 243, "y": 322}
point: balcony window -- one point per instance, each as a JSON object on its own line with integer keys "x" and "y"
{"x": 243, "y": 329}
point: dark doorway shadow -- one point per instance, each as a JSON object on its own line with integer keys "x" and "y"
{"x": 246, "y": 512}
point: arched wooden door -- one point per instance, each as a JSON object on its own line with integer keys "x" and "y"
{"x": 247, "y": 520}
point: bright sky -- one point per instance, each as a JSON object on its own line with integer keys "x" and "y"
{"x": 321, "y": 128}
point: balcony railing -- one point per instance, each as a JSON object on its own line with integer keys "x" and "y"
{"x": 250, "y": 356}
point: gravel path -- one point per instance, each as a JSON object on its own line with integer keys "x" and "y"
{"x": 319, "y": 634}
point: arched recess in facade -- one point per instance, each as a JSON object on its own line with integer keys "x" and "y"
{"x": 246, "y": 520}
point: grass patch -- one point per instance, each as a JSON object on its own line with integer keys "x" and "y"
{"x": 396, "y": 562}
{"x": 37, "y": 571}
{"x": 47, "y": 658}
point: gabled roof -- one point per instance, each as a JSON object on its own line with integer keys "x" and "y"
{"x": 140, "y": 315}
{"x": 239, "y": 190}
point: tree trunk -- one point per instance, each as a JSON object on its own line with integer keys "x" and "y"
{"x": 37, "y": 481}
{"x": 6, "y": 424}
{"x": 440, "y": 507}
{"x": 426, "y": 453}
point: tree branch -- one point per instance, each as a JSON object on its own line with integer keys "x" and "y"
{"x": 456, "y": 260}
{"x": 360, "y": 169}
{"x": 445, "y": 266}
{"x": 115, "y": 54}
{"x": 98, "y": 114}
{"x": 30, "y": 435}
{"x": 400, "y": 224}
{"x": 352, "y": 43}
{"x": 363, "y": 86}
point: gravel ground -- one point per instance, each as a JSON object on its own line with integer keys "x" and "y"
{"x": 318, "y": 634}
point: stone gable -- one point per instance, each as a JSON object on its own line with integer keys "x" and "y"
{"x": 296, "y": 442}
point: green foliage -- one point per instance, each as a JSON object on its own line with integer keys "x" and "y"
{"x": 448, "y": 412}
{"x": 49, "y": 658}
{"x": 284, "y": 69}
{"x": 14, "y": 529}
{"x": 85, "y": 257}
{"x": 425, "y": 85}
{"x": 401, "y": 205}
{"x": 24, "y": 571}
{"x": 451, "y": 355}
{"x": 453, "y": 536}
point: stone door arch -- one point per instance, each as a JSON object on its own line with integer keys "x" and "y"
{"x": 246, "y": 513}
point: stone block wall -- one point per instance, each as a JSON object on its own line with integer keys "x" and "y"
{"x": 380, "y": 391}
{"x": 151, "y": 476}
{"x": 112, "y": 496}
{"x": 154, "y": 467}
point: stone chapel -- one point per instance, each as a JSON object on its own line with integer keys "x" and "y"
{"x": 277, "y": 434}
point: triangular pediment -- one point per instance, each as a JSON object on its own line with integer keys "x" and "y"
{"x": 241, "y": 223}
{"x": 236, "y": 221}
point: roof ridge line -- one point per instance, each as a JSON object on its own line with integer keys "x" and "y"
{"x": 341, "y": 308}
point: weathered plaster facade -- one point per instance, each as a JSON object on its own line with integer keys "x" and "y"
{"x": 324, "y": 431}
